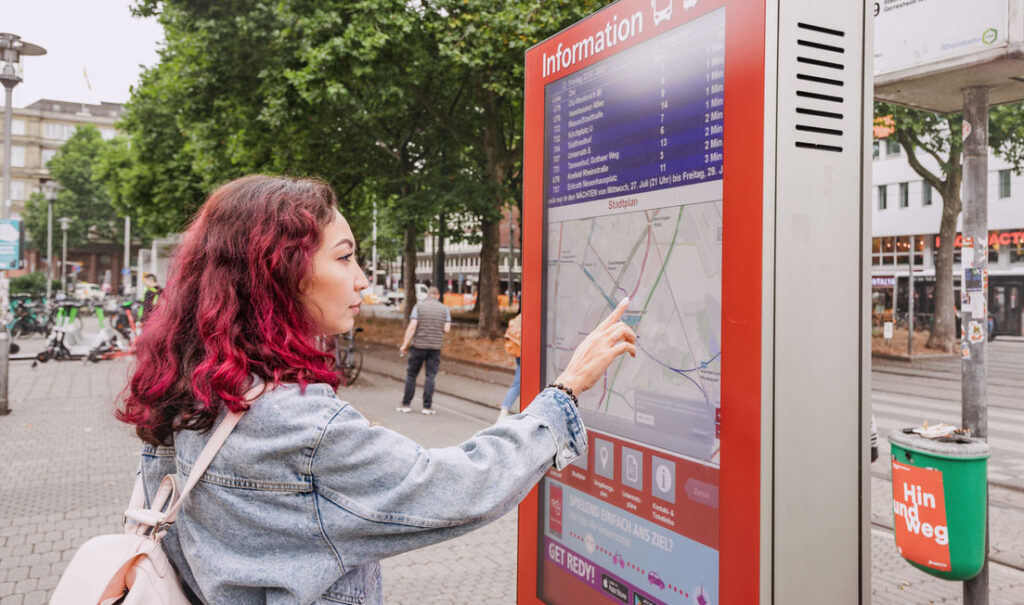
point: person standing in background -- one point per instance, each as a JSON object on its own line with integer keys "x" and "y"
{"x": 514, "y": 347}
{"x": 429, "y": 322}
{"x": 151, "y": 297}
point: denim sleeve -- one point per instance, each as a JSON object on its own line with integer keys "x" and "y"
{"x": 380, "y": 494}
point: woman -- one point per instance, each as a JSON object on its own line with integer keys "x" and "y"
{"x": 305, "y": 497}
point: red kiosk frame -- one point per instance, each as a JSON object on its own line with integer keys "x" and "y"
{"x": 755, "y": 40}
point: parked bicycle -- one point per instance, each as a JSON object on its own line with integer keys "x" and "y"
{"x": 348, "y": 359}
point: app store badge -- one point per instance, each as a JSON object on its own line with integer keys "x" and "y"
{"x": 604, "y": 458}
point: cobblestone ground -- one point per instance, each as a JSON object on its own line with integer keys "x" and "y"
{"x": 67, "y": 470}
{"x": 66, "y": 473}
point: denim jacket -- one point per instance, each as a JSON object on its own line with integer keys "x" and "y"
{"x": 306, "y": 497}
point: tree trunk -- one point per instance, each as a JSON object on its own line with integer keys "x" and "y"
{"x": 409, "y": 266}
{"x": 943, "y": 335}
{"x": 489, "y": 324}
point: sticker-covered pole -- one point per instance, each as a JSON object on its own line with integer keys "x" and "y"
{"x": 974, "y": 291}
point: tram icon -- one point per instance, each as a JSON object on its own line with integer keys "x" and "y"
{"x": 663, "y": 14}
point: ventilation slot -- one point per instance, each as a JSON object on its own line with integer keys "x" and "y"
{"x": 820, "y": 76}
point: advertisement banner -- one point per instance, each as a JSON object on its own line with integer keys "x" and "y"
{"x": 911, "y": 33}
{"x": 919, "y": 508}
{"x": 10, "y": 244}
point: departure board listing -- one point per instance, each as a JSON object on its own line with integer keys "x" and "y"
{"x": 648, "y": 118}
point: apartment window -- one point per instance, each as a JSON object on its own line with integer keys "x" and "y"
{"x": 18, "y": 127}
{"x": 48, "y": 155}
{"x": 61, "y": 132}
{"x": 1004, "y": 184}
{"x": 904, "y": 195}
{"x": 17, "y": 190}
{"x": 883, "y": 202}
{"x": 875, "y": 149}
{"x": 892, "y": 147}
{"x": 18, "y": 156}
{"x": 926, "y": 194}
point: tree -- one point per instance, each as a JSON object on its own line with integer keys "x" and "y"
{"x": 482, "y": 44}
{"x": 939, "y": 138}
{"x": 420, "y": 101}
{"x": 82, "y": 196}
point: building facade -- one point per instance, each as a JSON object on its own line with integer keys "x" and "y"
{"x": 462, "y": 261}
{"x": 37, "y": 133}
{"x": 906, "y": 213}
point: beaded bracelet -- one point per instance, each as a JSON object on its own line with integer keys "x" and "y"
{"x": 566, "y": 390}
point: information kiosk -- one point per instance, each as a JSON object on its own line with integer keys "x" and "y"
{"x": 708, "y": 159}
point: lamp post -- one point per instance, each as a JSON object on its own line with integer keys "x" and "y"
{"x": 50, "y": 192}
{"x": 12, "y": 47}
{"x": 65, "y": 224}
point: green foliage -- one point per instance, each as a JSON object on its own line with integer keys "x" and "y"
{"x": 82, "y": 197}
{"x": 32, "y": 283}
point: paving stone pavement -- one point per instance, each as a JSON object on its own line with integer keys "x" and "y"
{"x": 68, "y": 465}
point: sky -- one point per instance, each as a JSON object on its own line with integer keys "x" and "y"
{"x": 98, "y": 39}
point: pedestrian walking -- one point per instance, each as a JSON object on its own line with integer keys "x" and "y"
{"x": 514, "y": 347}
{"x": 306, "y": 497}
{"x": 429, "y": 322}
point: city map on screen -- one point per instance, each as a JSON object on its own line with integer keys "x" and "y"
{"x": 633, "y": 196}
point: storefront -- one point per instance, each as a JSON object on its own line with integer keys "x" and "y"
{"x": 891, "y": 268}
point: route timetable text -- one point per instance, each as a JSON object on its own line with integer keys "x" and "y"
{"x": 648, "y": 118}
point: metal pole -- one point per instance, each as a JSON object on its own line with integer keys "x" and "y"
{"x": 5, "y": 353}
{"x": 8, "y": 118}
{"x": 49, "y": 247}
{"x": 910, "y": 304}
{"x": 64, "y": 265}
{"x": 138, "y": 277}
{"x": 975, "y": 225}
{"x": 125, "y": 268}
{"x": 373, "y": 269}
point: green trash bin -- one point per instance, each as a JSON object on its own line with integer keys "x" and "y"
{"x": 940, "y": 503}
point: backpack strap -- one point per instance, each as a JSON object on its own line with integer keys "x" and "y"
{"x": 206, "y": 456}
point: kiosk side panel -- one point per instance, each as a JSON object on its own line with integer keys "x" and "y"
{"x": 818, "y": 310}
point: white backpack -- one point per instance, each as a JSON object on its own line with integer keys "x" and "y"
{"x": 131, "y": 568}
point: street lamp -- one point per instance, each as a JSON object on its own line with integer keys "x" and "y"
{"x": 50, "y": 191}
{"x": 11, "y": 49}
{"x": 65, "y": 223}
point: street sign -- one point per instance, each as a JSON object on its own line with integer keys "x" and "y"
{"x": 705, "y": 467}
{"x": 913, "y": 34}
{"x": 10, "y": 244}
{"x": 928, "y": 51}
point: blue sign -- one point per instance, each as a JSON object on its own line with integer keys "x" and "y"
{"x": 10, "y": 244}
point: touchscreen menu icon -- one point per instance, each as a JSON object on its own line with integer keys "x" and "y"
{"x": 633, "y": 468}
{"x": 663, "y": 473}
{"x": 604, "y": 458}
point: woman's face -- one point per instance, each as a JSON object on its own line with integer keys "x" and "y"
{"x": 332, "y": 294}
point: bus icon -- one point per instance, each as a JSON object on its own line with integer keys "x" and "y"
{"x": 661, "y": 14}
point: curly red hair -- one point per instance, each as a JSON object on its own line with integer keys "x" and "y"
{"x": 232, "y": 308}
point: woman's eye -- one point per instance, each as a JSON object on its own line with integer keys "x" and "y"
{"x": 347, "y": 257}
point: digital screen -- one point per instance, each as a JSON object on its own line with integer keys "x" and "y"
{"x": 633, "y": 203}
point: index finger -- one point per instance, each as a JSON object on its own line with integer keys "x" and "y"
{"x": 616, "y": 314}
